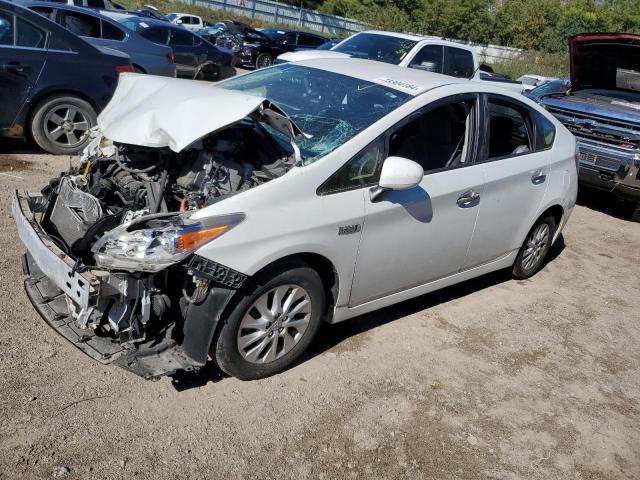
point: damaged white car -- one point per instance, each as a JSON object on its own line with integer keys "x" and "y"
{"x": 229, "y": 221}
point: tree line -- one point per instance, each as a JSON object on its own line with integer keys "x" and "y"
{"x": 542, "y": 25}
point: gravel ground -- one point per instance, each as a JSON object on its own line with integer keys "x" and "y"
{"x": 494, "y": 378}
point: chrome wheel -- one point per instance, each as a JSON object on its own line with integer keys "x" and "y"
{"x": 274, "y": 324}
{"x": 536, "y": 246}
{"x": 66, "y": 125}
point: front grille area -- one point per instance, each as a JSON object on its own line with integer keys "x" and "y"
{"x": 600, "y": 129}
{"x": 599, "y": 161}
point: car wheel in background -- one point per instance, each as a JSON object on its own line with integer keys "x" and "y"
{"x": 535, "y": 249}
{"x": 635, "y": 216}
{"x": 272, "y": 322}
{"x": 60, "y": 124}
{"x": 137, "y": 69}
{"x": 264, "y": 60}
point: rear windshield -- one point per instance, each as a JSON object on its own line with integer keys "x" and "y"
{"x": 372, "y": 46}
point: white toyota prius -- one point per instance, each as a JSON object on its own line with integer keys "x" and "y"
{"x": 229, "y": 222}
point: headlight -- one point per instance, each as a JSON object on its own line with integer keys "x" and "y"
{"x": 154, "y": 244}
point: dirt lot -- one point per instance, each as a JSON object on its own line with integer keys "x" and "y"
{"x": 492, "y": 379}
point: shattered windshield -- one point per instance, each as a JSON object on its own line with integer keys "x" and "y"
{"x": 373, "y": 46}
{"x": 328, "y": 107}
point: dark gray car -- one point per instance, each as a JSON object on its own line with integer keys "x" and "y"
{"x": 99, "y": 30}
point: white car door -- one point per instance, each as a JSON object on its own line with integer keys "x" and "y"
{"x": 415, "y": 236}
{"x": 516, "y": 169}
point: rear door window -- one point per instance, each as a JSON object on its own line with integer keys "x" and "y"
{"x": 81, "y": 24}
{"x": 510, "y": 129}
{"x": 305, "y": 40}
{"x": 111, "y": 32}
{"x": 46, "y": 12}
{"x": 458, "y": 62}
{"x": 291, "y": 38}
{"x": 430, "y": 58}
{"x": 181, "y": 38}
{"x": 156, "y": 35}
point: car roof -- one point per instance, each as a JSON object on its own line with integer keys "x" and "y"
{"x": 420, "y": 38}
{"x": 290, "y": 30}
{"x": 399, "y": 78}
{"x": 64, "y": 6}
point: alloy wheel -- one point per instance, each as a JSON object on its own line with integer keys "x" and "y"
{"x": 264, "y": 61}
{"x": 274, "y": 324}
{"x": 535, "y": 247}
{"x": 66, "y": 125}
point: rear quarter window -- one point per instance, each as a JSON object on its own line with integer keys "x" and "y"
{"x": 111, "y": 32}
{"x": 546, "y": 132}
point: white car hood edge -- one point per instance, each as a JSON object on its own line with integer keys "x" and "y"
{"x": 153, "y": 111}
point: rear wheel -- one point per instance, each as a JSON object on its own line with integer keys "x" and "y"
{"x": 535, "y": 249}
{"x": 264, "y": 60}
{"x": 635, "y": 216}
{"x": 272, "y": 323}
{"x": 61, "y": 124}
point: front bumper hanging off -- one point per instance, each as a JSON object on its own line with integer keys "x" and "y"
{"x": 54, "y": 281}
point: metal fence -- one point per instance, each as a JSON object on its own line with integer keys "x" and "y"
{"x": 276, "y": 12}
{"x": 285, "y": 14}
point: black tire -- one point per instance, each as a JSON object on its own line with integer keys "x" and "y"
{"x": 264, "y": 60}
{"x": 225, "y": 347}
{"x": 43, "y": 124}
{"x": 137, "y": 69}
{"x": 532, "y": 254}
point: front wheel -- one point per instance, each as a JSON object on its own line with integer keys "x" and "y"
{"x": 61, "y": 124}
{"x": 535, "y": 249}
{"x": 264, "y": 60}
{"x": 272, "y": 323}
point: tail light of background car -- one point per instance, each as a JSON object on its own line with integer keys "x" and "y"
{"x": 170, "y": 57}
{"x": 124, "y": 69}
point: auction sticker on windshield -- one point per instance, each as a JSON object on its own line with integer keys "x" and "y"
{"x": 400, "y": 85}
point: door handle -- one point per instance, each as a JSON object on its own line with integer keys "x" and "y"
{"x": 12, "y": 66}
{"x": 469, "y": 199}
{"x": 538, "y": 177}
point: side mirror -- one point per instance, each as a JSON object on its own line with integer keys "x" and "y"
{"x": 397, "y": 174}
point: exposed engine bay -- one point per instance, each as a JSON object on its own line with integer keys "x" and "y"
{"x": 133, "y": 182}
{"x": 121, "y": 220}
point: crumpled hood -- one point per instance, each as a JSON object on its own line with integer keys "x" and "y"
{"x": 153, "y": 111}
{"x": 605, "y": 60}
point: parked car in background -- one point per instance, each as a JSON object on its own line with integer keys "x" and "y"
{"x": 400, "y": 189}
{"x": 146, "y": 56}
{"x": 194, "y": 57}
{"x": 187, "y": 20}
{"x": 602, "y": 109}
{"x": 93, "y": 4}
{"x": 227, "y": 34}
{"x": 261, "y": 48}
{"x": 549, "y": 88}
{"x": 530, "y": 81}
{"x": 52, "y": 83}
{"x": 410, "y": 51}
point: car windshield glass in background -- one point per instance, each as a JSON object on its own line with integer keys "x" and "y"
{"x": 372, "y": 46}
{"x": 328, "y": 107}
{"x": 133, "y": 23}
{"x": 172, "y": 16}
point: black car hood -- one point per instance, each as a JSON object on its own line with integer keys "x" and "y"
{"x": 608, "y": 61}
